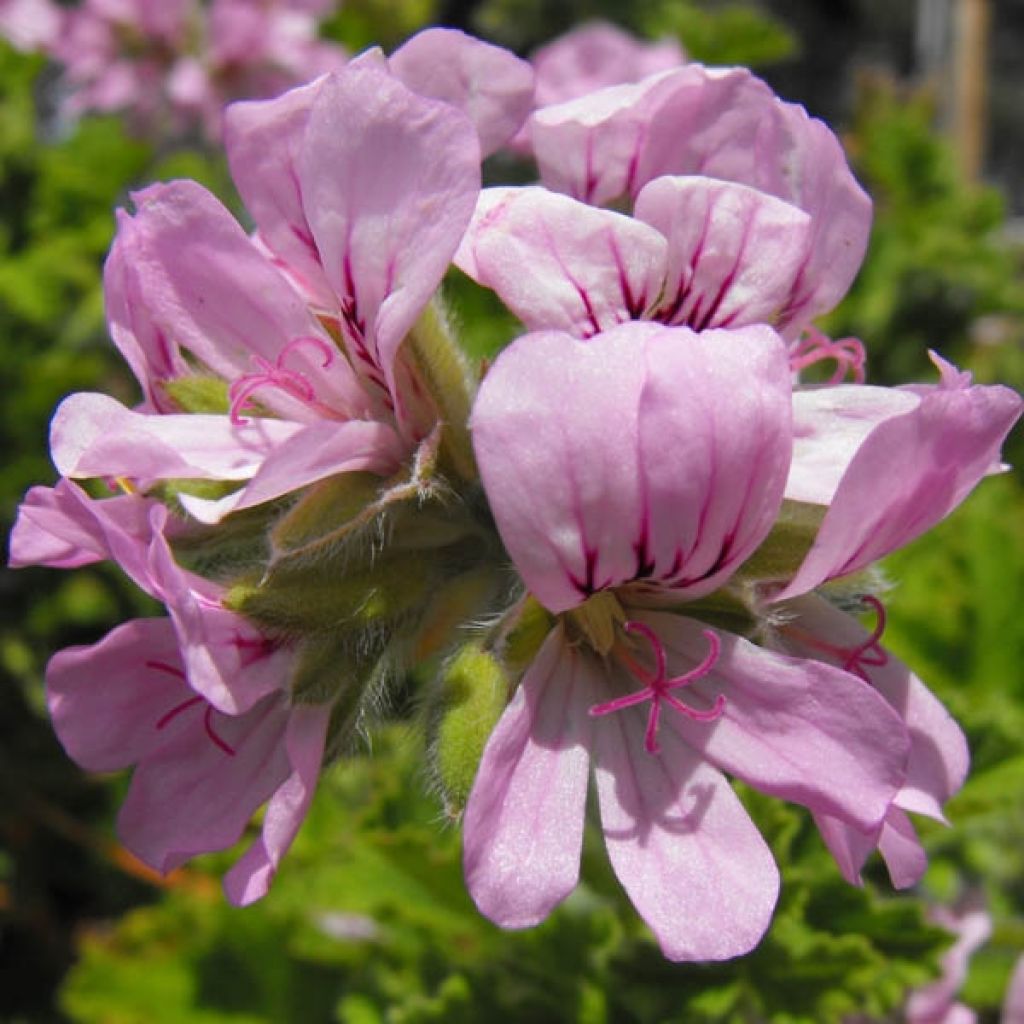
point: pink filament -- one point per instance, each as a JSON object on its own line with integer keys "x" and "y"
{"x": 277, "y": 375}
{"x": 852, "y": 659}
{"x": 657, "y": 686}
{"x": 190, "y": 702}
{"x": 815, "y": 346}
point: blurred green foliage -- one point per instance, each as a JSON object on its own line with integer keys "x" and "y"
{"x": 369, "y": 920}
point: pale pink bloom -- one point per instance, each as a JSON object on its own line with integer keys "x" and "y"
{"x": 197, "y": 702}
{"x": 936, "y": 1003}
{"x": 648, "y": 463}
{"x": 29, "y": 24}
{"x": 200, "y": 774}
{"x": 174, "y": 64}
{"x": 184, "y": 278}
{"x": 717, "y": 123}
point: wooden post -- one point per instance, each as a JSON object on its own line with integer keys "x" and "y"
{"x": 970, "y": 84}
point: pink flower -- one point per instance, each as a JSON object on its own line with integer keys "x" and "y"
{"x": 191, "y": 301}
{"x": 629, "y": 474}
{"x": 29, "y": 24}
{"x": 1013, "y": 1004}
{"x": 197, "y": 702}
{"x": 174, "y": 64}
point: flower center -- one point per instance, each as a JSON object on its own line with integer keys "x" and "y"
{"x": 814, "y": 347}
{"x": 190, "y": 702}
{"x": 277, "y": 375}
{"x": 657, "y": 687}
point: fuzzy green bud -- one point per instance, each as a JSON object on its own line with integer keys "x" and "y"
{"x": 198, "y": 394}
{"x": 782, "y": 552}
{"x": 472, "y": 692}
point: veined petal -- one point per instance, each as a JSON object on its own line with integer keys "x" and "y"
{"x": 734, "y": 253}
{"x": 93, "y": 435}
{"x": 389, "y": 181}
{"x": 721, "y": 123}
{"x": 212, "y": 290}
{"x": 305, "y": 738}
{"x": 191, "y": 795}
{"x": 107, "y": 700}
{"x": 647, "y": 453}
{"x": 560, "y": 264}
{"x": 910, "y": 472}
{"x": 263, "y": 139}
{"x": 794, "y": 728}
{"x": 938, "y": 760}
{"x": 829, "y": 426}
{"x": 681, "y": 843}
{"x": 490, "y": 84}
{"x": 523, "y": 826}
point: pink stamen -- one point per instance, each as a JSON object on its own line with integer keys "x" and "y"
{"x": 657, "y": 685}
{"x": 852, "y": 659}
{"x": 859, "y": 656}
{"x": 191, "y": 702}
{"x": 277, "y": 375}
{"x": 815, "y": 346}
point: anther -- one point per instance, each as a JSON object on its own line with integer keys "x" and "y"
{"x": 657, "y": 686}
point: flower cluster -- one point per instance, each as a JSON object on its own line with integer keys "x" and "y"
{"x": 173, "y": 64}
{"x": 638, "y": 550}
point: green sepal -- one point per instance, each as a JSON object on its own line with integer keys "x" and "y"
{"x": 234, "y": 546}
{"x": 370, "y": 596}
{"x": 530, "y": 626}
{"x": 784, "y": 549}
{"x": 198, "y": 394}
{"x": 472, "y": 692}
{"x": 443, "y": 371}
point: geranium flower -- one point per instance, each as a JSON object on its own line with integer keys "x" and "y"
{"x": 630, "y": 476}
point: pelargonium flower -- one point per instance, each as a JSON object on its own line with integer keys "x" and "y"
{"x": 244, "y": 381}
{"x": 630, "y": 477}
{"x": 173, "y": 64}
{"x": 198, "y": 702}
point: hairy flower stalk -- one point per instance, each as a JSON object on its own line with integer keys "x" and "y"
{"x": 617, "y": 554}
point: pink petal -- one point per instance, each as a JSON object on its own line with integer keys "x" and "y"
{"x": 107, "y": 700}
{"x": 490, "y": 84}
{"x": 560, "y": 264}
{"x": 647, "y": 453}
{"x": 191, "y": 796}
{"x": 217, "y": 295}
{"x": 389, "y": 181}
{"x": 314, "y": 453}
{"x": 795, "y": 728}
{"x": 720, "y": 123}
{"x": 938, "y": 760}
{"x": 263, "y": 139}
{"x": 523, "y": 826}
{"x": 849, "y": 846}
{"x": 829, "y": 426}
{"x": 910, "y": 473}
{"x": 250, "y": 878}
{"x": 1013, "y": 1006}
{"x": 63, "y": 528}
{"x": 92, "y": 435}
{"x": 681, "y": 843}
{"x": 151, "y": 354}
{"x": 597, "y": 54}
{"x": 734, "y": 254}
{"x": 902, "y": 850}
